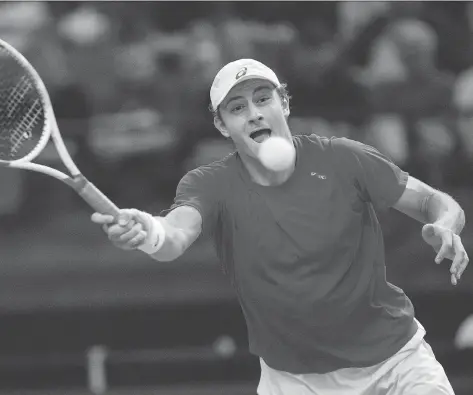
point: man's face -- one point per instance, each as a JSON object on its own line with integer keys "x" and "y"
{"x": 250, "y": 113}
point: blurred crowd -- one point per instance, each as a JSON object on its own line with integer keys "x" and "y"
{"x": 129, "y": 81}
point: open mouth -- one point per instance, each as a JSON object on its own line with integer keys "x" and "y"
{"x": 260, "y": 135}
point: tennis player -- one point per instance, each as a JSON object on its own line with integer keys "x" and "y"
{"x": 304, "y": 249}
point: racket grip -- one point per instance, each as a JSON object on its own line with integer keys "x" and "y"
{"x": 96, "y": 199}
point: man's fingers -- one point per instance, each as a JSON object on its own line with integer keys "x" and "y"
{"x": 463, "y": 265}
{"x": 145, "y": 219}
{"x": 445, "y": 249}
{"x": 128, "y": 230}
{"x": 129, "y": 235}
{"x": 453, "y": 279}
{"x": 117, "y": 232}
{"x": 99, "y": 218}
{"x": 136, "y": 241}
{"x": 448, "y": 245}
{"x": 443, "y": 253}
{"x": 457, "y": 257}
{"x": 460, "y": 260}
{"x": 126, "y": 216}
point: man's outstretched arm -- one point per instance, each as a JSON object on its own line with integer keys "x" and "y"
{"x": 444, "y": 219}
{"x": 175, "y": 232}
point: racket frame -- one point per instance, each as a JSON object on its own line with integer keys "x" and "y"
{"x": 50, "y": 127}
{"x": 76, "y": 180}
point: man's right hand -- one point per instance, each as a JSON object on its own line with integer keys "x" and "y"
{"x": 127, "y": 232}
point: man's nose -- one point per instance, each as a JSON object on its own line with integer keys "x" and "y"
{"x": 255, "y": 114}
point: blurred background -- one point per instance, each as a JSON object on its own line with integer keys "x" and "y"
{"x": 129, "y": 83}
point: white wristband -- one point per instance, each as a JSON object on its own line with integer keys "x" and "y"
{"x": 156, "y": 236}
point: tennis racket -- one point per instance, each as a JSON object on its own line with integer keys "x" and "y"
{"x": 27, "y": 124}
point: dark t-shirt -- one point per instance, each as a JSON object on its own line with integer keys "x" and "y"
{"x": 306, "y": 257}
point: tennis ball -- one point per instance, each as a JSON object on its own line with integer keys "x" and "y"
{"x": 276, "y": 153}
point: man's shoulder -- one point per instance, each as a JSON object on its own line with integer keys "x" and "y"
{"x": 327, "y": 143}
{"x": 309, "y": 140}
{"x": 341, "y": 152}
{"x": 346, "y": 144}
{"x": 222, "y": 168}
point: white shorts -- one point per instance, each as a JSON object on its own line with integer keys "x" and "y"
{"x": 413, "y": 370}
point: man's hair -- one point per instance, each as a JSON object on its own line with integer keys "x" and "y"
{"x": 281, "y": 90}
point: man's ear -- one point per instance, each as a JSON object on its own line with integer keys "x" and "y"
{"x": 285, "y": 107}
{"x": 221, "y": 127}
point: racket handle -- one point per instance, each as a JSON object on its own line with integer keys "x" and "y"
{"x": 94, "y": 197}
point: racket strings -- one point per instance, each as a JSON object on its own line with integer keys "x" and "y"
{"x": 26, "y": 125}
{"x": 17, "y": 95}
{"x": 21, "y": 110}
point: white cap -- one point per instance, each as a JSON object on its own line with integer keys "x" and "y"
{"x": 235, "y": 72}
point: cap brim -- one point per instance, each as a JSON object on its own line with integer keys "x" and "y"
{"x": 242, "y": 79}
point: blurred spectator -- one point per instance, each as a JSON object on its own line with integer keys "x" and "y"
{"x": 419, "y": 93}
{"x": 118, "y": 59}
{"x": 203, "y": 51}
{"x": 463, "y": 99}
{"x": 354, "y": 16}
{"x": 19, "y": 22}
{"x": 323, "y": 84}
{"x": 84, "y": 26}
{"x": 450, "y": 22}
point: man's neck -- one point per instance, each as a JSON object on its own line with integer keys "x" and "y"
{"x": 262, "y": 176}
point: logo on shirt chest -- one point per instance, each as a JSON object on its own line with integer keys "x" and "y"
{"x": 321, "y": 176}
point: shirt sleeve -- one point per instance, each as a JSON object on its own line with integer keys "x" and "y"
{"x": 378, "y": 179}
{"x": 197, "y": 189}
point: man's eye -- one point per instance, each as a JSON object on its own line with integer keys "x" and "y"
{"x": 237, "y": 108}
{"x": 263, "y": 99}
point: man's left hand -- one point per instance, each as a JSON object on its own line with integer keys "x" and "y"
{"x": 448, "y": 245}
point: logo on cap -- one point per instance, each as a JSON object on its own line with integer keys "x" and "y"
{"x": 241, "y": 73}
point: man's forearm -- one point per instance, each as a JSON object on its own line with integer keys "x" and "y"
{"x": 441, "y": 209}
